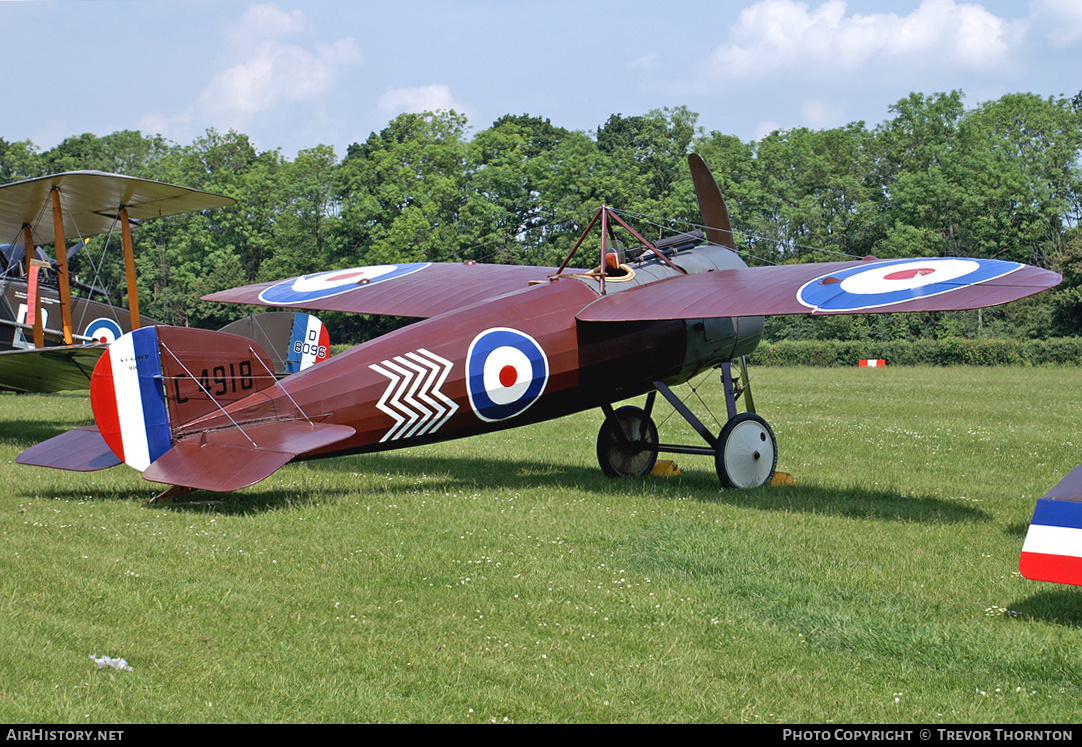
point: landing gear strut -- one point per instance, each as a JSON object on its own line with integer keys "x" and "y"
{"x": 745, "y": 452}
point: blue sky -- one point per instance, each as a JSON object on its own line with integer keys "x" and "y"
{"x": 293, "y": 75}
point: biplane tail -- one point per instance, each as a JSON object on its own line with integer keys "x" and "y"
{"x": 1053, "y": 547}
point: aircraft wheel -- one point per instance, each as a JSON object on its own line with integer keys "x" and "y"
{"x": 639, "y": 456}
{"x": 747, "y": 453}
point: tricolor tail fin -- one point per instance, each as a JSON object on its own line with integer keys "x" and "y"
{"x": 152, "y": 381}
{"x": 295, "y": 340}
{"x": 1053, "y": 547}
{"x": 308, "y": 345}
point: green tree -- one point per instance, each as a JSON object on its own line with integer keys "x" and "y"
{"x": 503, "y": 201}
{"x": 403, "y": 189}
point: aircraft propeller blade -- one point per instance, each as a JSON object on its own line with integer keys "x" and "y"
{"x": 76, "y": 248}
{"x": 711, "y": 204}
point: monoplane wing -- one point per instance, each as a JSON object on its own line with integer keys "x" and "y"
{"x": 415, "y": 289}
{"x": 859, "y": 287}
{"x": 49, "y": 369}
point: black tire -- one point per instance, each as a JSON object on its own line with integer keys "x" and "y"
{"x": 746, "y": 454}
{"x": 639, "y": 455}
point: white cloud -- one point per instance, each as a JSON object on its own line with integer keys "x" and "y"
{"x": 417, "y": 99}
{"x": 269, "y": 71}
{"x": 819, "y": 113}
{"x": 785, "y": 36}
{"x": 1062, "y": 18}
{"x": 646, "y": 62}
{"x": 764, "y": 128}
{"x": 264, "y": 21}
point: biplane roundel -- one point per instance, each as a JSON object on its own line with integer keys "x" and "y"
{"x": 104, "y": 330}
{"x": 308, "y": 288}
{"x": 894, "y": 281}
{"x": 506, "y": 371}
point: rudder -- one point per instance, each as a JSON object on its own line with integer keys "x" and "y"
{"x": 155, "y": 379}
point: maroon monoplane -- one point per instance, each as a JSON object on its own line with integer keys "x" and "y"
{"x": 498, "y": 346}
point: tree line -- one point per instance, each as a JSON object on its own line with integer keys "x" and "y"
{"x": 1002, "y": 179}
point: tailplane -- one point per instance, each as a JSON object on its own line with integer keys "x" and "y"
{"x": 152, "y": 389}
{"x": 155, "y": 379}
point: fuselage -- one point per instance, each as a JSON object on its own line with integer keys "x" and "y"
{"x": 92, "y": 321}
{"x": 500, "y": 363}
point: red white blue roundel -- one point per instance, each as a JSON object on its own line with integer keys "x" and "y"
{"x": 103, "y": 330}
{"x": 875, "y": 284}
{"x": 506, "y": 371}
{"x": 308, "y": 288}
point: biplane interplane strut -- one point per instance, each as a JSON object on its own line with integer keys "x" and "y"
{"x": 67, "y": 334}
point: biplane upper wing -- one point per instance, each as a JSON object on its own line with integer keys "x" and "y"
{"x": 49, "y": 369}
{"x": 415, "y": 289}
{"x": 858, "y": 287}
{"x": 91, "y": 201}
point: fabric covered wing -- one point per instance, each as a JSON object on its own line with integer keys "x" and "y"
{"x": 91, "y": 200}
{"x": 49, "y": 369}
{"x": 416, "y": 289}
{"x": 861, "y": 287}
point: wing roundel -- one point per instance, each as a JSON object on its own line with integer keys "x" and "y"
{"x": 860, "y": 287}
{"x": 414, "y": 289}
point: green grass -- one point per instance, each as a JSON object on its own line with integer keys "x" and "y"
{"x": 503, "y": 578}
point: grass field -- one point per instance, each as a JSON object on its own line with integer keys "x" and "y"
{"x": 503, "y": 578}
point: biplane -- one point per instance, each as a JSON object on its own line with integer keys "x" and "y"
{"x": 497, "y": 346}
{"x": 50, "y": 338}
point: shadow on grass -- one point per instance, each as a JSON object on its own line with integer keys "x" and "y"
{"x": 23, "y": 434}
{"x": 451, "y": 474}
{"x": 1060, "y": 606}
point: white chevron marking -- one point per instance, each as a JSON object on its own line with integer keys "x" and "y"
{"x": 413, "y": 398}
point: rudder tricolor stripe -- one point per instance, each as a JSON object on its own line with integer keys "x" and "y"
{"x": 309, "y": 343}
{"x": 128, "y": 399}
{"x": 1053, "y": 547}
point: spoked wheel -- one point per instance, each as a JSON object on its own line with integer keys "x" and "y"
{"x": 746, "y": 454}
{"x": 635, "y": 453}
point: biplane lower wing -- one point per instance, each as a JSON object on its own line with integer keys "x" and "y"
{"x": 222, "y": 461}
{"x": 860, "y": 287}
{"x": 49, "y": 369}
{"x": 1053, "y": 547}
{"x": 415, "y": 289}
